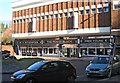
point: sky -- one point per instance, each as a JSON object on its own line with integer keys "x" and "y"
{"x": 5, "y": 11}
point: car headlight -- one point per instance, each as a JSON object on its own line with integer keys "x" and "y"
{"x": 20, "y": 76}
{"x": 87, "y": 69}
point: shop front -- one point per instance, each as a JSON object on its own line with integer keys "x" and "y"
{"x": 86, "y": 46}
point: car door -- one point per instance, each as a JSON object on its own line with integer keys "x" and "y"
{"x": 65, "y": 70}
{"x": 49, "y": 72}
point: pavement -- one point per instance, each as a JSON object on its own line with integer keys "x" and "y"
{"x": 56, "y": 57}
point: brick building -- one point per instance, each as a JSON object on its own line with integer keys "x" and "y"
{"x": 73, "y": 28}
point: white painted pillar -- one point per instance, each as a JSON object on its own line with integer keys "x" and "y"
{"x": 34, "y": 25}
{"x": 75, "y": 20}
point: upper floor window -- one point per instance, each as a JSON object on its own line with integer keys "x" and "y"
{"x": 106, "y": 9}
{"x": 99, "y": 10}
{"x": 47, "y": 16}
{"x": 65, "y": 14}
{"x": 117, "y": 6}
{"x": 23, "y": 20}
{"x": 42, "y": 18}
{"x": 56, "y": 16}
{"x": 71, "y": 13}
{"x": 93, "y": 11}
{"x": 81, "y": 12}
{"x": 87, "y": 11}
{"x": 14, "y": 21}
{"x": 51, "y": 16}
{"x": 60, "y": 15}
{"x": 20, "y": 20}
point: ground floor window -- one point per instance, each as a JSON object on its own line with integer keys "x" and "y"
{"x": 69, "y": 52}
{"x": 83, "y": 51}
{"x": 100, "y": 51}
{"x": 94, "y": 51}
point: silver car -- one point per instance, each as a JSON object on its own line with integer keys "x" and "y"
{"x": 101, "y": 66}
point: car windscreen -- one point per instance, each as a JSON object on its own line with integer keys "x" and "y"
{"x": 101, "y": 60}
{"x": 35, "y": 66}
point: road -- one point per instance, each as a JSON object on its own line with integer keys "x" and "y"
{"x": 80, "y": 68}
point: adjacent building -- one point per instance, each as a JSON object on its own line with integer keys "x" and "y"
{"x": 69, "y": 27}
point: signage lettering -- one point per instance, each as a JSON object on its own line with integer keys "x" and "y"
{"x": 75, "y": 41}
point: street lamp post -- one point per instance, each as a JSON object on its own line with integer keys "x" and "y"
{"x": 78, "y": 42}
{"x": 42, "y": 42}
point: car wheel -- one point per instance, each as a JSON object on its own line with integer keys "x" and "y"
{"x": 30, "y": 81}
{"x": 109, "y": 74}
{"x": 70, "y": 79}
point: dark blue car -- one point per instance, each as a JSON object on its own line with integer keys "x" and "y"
{"x": 101, "y": 66}
{"x": 46, "y": 71}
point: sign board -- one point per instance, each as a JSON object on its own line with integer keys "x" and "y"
{"x": 97, "y": 40}
{"x": 69, "y": 41}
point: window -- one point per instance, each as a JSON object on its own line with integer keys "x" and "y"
{"x": 47, "y": 16}
{"x": 100, "y": 51}
{"x": 66, "y": 65}
{"x": 84, "y": 51}
{"x": 87, "y": 11}
{"x": 117, "y": 6}
{"x": 23, "y": 20}
{"x": 42, "y": 18}
{"x": 61, "y": 15}
{"x": 81, "y": 12}
{"x": 106, "y": 9}
{"x": 65, "y": 14}
{"x": 17, "y": 21}
{"x": 99, "y": 10}
{"x": 93, "y": 11}
{"x": 20, "y": 20}
{"x": 56, "y": 16}
{"x": 50, "y": 66}
{"x": 71, "y": 13}
{"x": 91, "y": 51}
{"x": 55, "y": 50}
{"x": 14, "y": 21}
{"x": 108, "y": 51}
{"x": 50, "y": 50}
{"x": 51, "y": 16}
{"x": 45, "y": 50}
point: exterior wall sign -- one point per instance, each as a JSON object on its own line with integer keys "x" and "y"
{"x": 100, "y": 40}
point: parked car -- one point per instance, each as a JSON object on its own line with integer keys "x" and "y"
{"x": 101, "y": 66}
{"x": 5, "y": 54}
{"x": 46, "y": 71}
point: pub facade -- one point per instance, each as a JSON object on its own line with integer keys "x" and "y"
{"x": 71, "y": 28}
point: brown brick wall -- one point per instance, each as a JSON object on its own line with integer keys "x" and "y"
{"x": 115, "y": 19}
{"x": 85, "y": 21}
